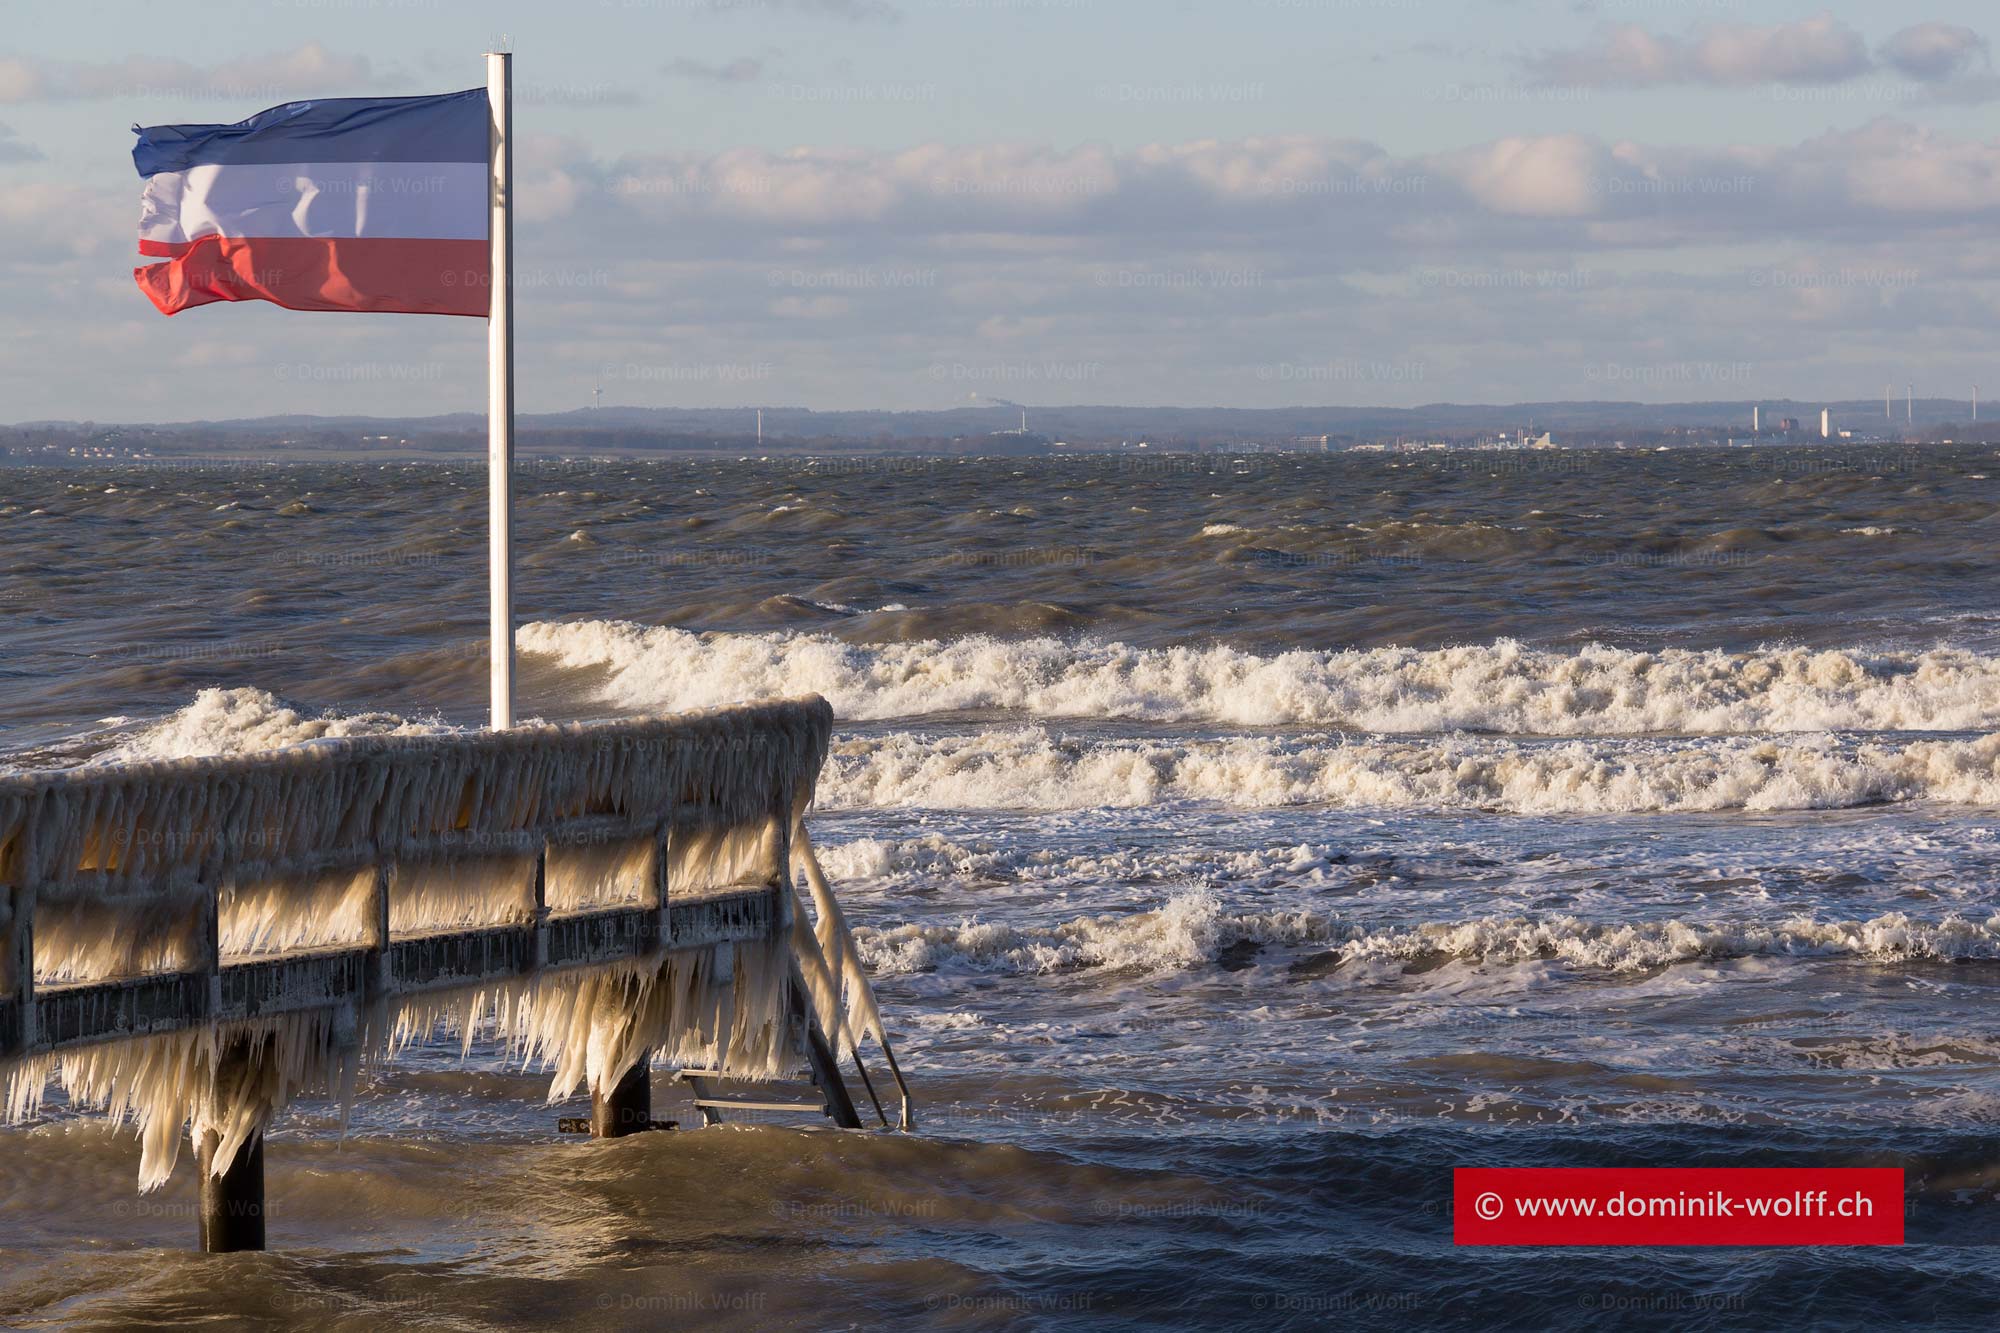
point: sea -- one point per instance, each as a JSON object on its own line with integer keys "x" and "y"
{"x": 1239, "y": 842}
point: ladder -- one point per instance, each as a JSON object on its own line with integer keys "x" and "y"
{"x": 818, "y": 1087}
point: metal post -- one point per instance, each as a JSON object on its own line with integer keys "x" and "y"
{"x": 232, "y": 1204}
{"x": 500, "y": 392}
{"x": 376, "y": 985}
{"x": 820, "y": 1057}
{"x": 18, "y": 968}
{"x": 627, "y": 1108}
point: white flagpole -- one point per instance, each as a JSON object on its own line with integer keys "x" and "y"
{"x": 500, "y": 392}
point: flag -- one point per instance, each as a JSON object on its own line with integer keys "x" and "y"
{"x": 344, "y": 203}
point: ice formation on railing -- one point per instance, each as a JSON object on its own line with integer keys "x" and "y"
{"x": 167, "y": 1084}
{"x": 118, "y": 865}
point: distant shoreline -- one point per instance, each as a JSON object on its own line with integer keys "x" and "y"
{"x": 641, "y": 433}
{"x": 250, "y": 451}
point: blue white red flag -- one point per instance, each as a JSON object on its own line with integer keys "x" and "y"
{"x": 347, "y": 203}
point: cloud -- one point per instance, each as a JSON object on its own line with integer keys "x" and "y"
{"x": 1936, "y": 52}
{"x": 743, "y": 69}
{"x": 47, "y": 220}
{"x": 12, "y": 149}
{"x": 1327, "y": 269}
{"x": 1952, "y": 63}
{"x": 1815, "y": 50}
{"x": 303, "y": 71}
{"x": 1543, "y": 176}
{"x": 1559, "y": 189}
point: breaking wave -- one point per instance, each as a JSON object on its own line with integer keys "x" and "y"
{"x": 246, "y": 720}
{"x": 1500, "y": 687}
{"x": 1031, "y": 768}
{"x": 1036, "y": 768}
{"x": 1192, "y": 930}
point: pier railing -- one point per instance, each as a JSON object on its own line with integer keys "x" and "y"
{"x": 190, "y": 943}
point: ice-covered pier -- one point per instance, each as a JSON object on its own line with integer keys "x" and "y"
{"x": 189, "y": 945}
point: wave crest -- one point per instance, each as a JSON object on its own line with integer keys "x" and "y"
{"x": 1031, "y": 768}
{"x": 1192, "y": 930}
{"x": 1500, "y": 687}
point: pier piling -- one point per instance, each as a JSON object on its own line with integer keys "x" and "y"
{"x": 232, "y": 1204}
{"x": 626, "y": 1108}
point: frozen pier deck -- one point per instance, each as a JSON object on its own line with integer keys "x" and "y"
{"x": 192, "y": 943}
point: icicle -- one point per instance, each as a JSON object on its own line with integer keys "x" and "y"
{"x": 166, "y": 1084}
{"x": 433, "y": 895}
{"x": 723, "y": 1007}
{"x": 843, "y": 998}
{"x": 79, "y": 938}
{"x": 297, "y": 912}
{"x": 594, "y": 876}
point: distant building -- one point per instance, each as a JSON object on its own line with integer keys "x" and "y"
{"x": 1826, "y": 423}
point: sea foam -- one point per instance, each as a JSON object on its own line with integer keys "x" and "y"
{"x": 246, "y": 720}
{"x": 1191, "y": 929}
{"x": 1036, "y": 768}
{"x": 1039, "y": 767}
{"x": 1499, "y": 687}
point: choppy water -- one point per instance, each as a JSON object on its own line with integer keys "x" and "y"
{"x": 1239, "y": 845}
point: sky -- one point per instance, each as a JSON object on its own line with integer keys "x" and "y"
{"x": 907, "y": 203}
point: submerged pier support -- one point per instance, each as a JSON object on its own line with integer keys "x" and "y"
{"x": 626, "y": 1108}
{"x": 232, "y": 1201}
{"x": 232, "y": 1204}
